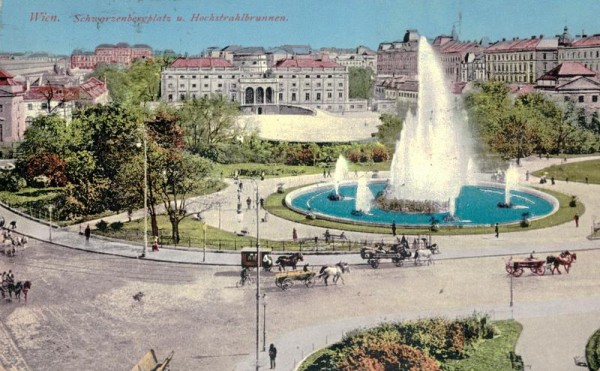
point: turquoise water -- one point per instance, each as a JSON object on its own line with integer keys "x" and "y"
{"x": 476, "y": 205}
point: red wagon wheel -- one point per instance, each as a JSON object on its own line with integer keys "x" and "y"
{"x": 517, "y": 271}
{"x": 540, "y": 270}
{"x": 509, "y": 268}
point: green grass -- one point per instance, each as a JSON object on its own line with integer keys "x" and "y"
{"x": 592, "y": 351}
{"x": 490, "y": 354}
{"x": 280, "y": 170}
{"x": 191, "y": 234}
{"x": 576, "y": 171}
{"x": 276, "y": 206}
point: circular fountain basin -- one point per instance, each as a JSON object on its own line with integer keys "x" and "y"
{"x": 476, "y": 205}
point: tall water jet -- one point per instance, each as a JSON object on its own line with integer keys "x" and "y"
{"x": 431, "y": 158}
{"x": 340, "y": 173}
{"x": 364, "y": 196}
{"x": 511, "y": 180}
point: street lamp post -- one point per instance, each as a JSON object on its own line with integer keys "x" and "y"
{"x": 50, "y": 224}
{"x": 264, "y": 322}
{"x": 145, "y": 145}
{"x": 258, "y": 266}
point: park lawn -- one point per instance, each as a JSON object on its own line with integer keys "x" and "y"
{"x": 275, "y": 204}
{"x": 191, "y": 233}
{"x": 280, "y": 170}
{"x": 576, "y": 171}
{"x": 490, "y": 354}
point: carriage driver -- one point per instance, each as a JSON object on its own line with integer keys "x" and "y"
{"x": 267, "y": 261}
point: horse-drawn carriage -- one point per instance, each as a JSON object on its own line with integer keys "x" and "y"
{"x": 373, "y": 256}
{"x": 285, "y": 280}
{"x": 516, "y": 267}
{"x": 539, "y": 266}
{"x": 249, "y": 258}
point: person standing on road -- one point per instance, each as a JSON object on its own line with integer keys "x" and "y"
{"x": 87, "y": 232}
{"x": 13, "y": 224}
{"x": 249, "y": 202}
{"x": 394, "y": 227}
{"x": 272, "y": 355}
{"x": 576, "y": 218}
{"x": 497, "y": 230}
{"x": 294, "y": 235}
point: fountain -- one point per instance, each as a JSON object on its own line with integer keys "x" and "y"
{"x": 432, "y": 174}
{"x": 364, "y": 197}
{"x": 432, "y": 155}
{"x": 511, "y": 179}
{"x": 340, "y": 173}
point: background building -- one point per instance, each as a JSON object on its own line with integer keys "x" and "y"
{"x": 120, "y": 53}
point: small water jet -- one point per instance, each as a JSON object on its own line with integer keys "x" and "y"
{"x": 364, "y": 197}
{"x": 511, "y": 179}
{"x": 340, "y": 173}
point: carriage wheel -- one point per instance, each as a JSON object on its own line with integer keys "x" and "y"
{"x": 509, "y": 269}
{"x": 239, "y": 284}
{"x": 517, "y": 272}
{"x": 398, "y": 262}
{"x": 374, "y": 263}
{"x": 310, "y": 282}
{"x": 540, "y": 270}
{"x": 286, "y": 284}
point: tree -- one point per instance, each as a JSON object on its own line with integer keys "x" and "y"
{"x": 46, "y": 134}
{"x": 361, "y": 82}
{"x": 389, "y": 130}
{"x": 208, "y": 121}
{"x": 516, "y": 136}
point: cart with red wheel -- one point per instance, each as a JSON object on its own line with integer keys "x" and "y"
{"x": 517, "y": 267}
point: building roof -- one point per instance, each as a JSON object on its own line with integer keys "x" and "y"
{"x": 521, "y": 89}
{"x": 93, "y": 88}
{"x": 200, "y": 62}
{"x": 7, "y": 79}
{"x": 568, "y": 69}
{"x": 306, "y": 63}
{"x": 458, "y": 47}
{"x": 58, "y": 93}
{"x": 523, "y": 44}
{"x": 587, "y": 41}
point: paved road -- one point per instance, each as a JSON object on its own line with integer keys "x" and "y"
{"x": 551, "y": 239}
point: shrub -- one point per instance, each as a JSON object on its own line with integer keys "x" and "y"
{"x": 40, "y": 181}
{"x": 573, "y": 202}
{"x": 524, "y": 223}
{"x": 102, "y": 226}
{"x": 116, "y": 226}
{"x": 10, "y": 181}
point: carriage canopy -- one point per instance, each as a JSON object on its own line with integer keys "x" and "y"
{"x": 248, "y": 255}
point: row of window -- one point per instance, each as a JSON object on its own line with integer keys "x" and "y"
{"x": 581, "y": 98}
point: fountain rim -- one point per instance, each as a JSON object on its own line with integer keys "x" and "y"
{"x": 328, "y": 185}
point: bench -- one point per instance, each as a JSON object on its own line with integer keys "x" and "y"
{"x": 243, "y": 232}
{"x": 333, "y": 237}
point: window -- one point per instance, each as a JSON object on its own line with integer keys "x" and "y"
{"x": 318, "y": 85}
{"x": 1, "y": 108}
{"x": 318, "y": 96}
{"x": 293, "y": 97}
{"x": 182, "y": 77}
{"x": 280, "y": 96}
{"x": 594, "y": 98}
{"x": 206, "y": 85}
{"x": 220, "y": 85}
{"x": 308, "y": 76}
{"x": 329, "y": 76}
{"x": 29, "y": 106}
{"x": 193, "y": 76}
{"x": 181, "y": 86}
{"x": 329, "y": 95}
{"x": 307, "y": 96}
{"x": 220, "y": 77}
{"x": 328, "y": 84}
{"x": 580, "y": 99}
{"x": 169, "y": 77}
{"x": 170, "y": 97}
{"x": 205, "y": 76}
{"x": 341, "y": 84}
{"x": 182, "y": 97}
{"x": 44, "y": 105}
{"x": 318, "y": 76}
{"x": 340, "y": 94}
{"x": 281, "y": 76}
{"x": 194, "y": 85}
{"x": 294, "y": 84}
{"x": 293, "y": 76}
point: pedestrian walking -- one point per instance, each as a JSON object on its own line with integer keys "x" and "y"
{"x": 155, "y": 244}
{"x": 294, "y": 235}
{"x": 87, "y": 232}
{"x": 586, "y": 182}
{"x": 328, "y": 173}
{"x": 527, "y": 176}
{"x": 272, "y": 355}
{"x": 249, "y": 202}
{"x": 576, "y": 218}
{"x": 241, "y": 186}
{"x": 567, "y": 179}
{"x": 13, "y": 224}
{"x": 552, "y": 180}
{"x": 497, "y": 230}
{"x": 1, "y": 221}
{"x": 394, "y": 228}
{"x": 324, "y": 173}
{"x": 262, "y": 203}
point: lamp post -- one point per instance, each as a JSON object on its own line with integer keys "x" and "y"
{"x": 145, "y": 145}
{"x": 264, "y": 322}
{"x": 50, "y": 207}
{"x": 258, "y": 266}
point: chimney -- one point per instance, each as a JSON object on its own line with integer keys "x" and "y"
{"x": 533, "y": 37}
{"x": 541, "y": 36}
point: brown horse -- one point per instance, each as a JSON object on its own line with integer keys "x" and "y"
{"x": 565, "y": 258}
{"x": 289, "y": 261}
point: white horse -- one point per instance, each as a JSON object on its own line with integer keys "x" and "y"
{"x": 334, "y": 271}
{"x": 423, "y": 255}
